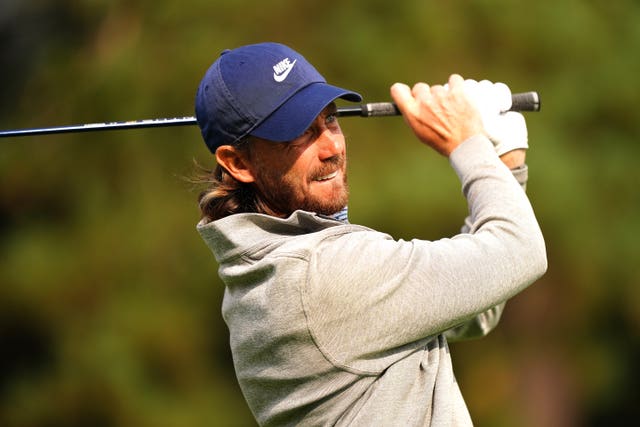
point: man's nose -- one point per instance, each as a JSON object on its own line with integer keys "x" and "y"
{"x": 329, "y": 144}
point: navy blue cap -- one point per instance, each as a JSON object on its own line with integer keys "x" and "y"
{"x": 266, "y": 90}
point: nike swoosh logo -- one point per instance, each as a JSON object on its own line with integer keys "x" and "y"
{"x": 281, "y": 77}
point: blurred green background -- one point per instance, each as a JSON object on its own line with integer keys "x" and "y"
{"x": 109, "y": 300}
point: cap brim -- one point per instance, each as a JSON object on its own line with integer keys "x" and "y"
{"x": 295, "y": 116}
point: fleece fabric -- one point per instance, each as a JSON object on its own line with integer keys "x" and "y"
{"x": 338, "y": 324}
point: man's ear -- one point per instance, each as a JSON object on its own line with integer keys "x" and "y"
{"x": 235, "y": 162}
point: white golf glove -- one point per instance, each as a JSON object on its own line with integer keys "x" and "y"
{"x": 506, "y": 129}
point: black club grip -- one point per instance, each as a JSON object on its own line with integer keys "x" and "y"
{"x": 526, "y": 101}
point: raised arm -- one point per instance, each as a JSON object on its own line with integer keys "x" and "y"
{"x": 382, "y": 295}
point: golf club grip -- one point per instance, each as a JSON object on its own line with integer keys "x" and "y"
{"x": 527, "y": 101}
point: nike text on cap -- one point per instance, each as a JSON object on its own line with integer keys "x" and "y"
{"x": 265, "y": 90}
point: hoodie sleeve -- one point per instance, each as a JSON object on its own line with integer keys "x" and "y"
{"x": 485, "y": 322}
{"x": 369, "y": 299}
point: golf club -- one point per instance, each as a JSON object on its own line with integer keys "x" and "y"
{"x": 527, "y": 101}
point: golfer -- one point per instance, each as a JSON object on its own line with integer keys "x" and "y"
{"x": 333, "y": 323}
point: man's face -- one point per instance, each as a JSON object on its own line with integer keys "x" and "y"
{"x": 307, "y": 173}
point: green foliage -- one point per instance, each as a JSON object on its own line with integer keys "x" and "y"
{"x": 109, "y": 301}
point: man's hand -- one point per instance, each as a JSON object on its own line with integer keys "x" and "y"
{"x": 506, "y": 129}
{"x": 441, "y": 117}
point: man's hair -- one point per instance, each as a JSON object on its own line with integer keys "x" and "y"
{"x": 226, "y": 196}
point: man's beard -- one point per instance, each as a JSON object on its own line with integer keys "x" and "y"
{"x": 279, "y": 192}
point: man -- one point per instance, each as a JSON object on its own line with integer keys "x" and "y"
{"x": 333, "y": 323}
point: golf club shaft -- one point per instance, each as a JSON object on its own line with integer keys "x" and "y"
{"x": 527, "y": 101}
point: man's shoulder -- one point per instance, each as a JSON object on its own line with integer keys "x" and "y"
{"x": 250, "y": 232}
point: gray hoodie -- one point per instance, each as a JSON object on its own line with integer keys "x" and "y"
{"x": 338, "y": 324}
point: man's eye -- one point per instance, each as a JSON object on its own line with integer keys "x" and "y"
{"x": 331, "y": 118}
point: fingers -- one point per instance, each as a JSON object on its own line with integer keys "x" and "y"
{"x": 490, "y": 97}
{"x": 403, "y": 97}
{"x": 440, "y": 115}
{"x": 503, "y": 96}
{"x": 455, "y": 80}
{"x": 406, "y": 98}
{"x": 421, "y": 89}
